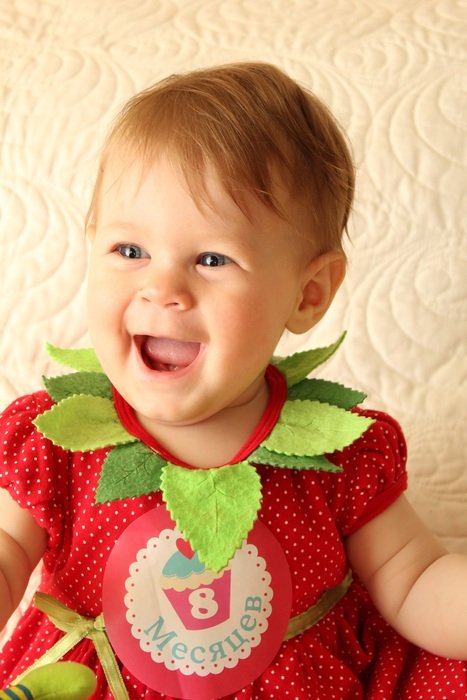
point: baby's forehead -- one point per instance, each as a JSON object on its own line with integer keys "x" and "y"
{"x": 129, "y": 166}
{"x": 126, "y": 169}
{"x": 126, "y": 174}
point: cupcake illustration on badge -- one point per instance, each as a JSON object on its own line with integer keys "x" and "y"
{"x": 201, "y": 598}
{"x": 185, "y": 630}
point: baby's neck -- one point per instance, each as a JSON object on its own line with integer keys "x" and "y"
{"x": 216, "y": 440}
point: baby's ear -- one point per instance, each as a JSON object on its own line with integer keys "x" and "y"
{"x": 319, "y": 282}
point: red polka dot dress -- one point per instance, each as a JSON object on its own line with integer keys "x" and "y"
{"x": 351, "y": 654}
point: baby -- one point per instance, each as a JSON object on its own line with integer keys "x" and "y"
{"x": 211, "y": 522}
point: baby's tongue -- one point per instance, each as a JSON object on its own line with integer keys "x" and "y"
{"x": 165, "y": 354}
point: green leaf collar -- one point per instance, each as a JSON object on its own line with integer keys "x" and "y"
{"x": 214, "y": 508}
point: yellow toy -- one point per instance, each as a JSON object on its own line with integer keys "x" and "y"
{"x": 61, "y": 681}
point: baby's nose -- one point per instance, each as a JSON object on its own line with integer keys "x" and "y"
{"x": 167, "y": 290}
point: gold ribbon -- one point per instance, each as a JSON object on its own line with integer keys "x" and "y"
{"x": 330, "y": 598}
{"x": 76, "y": 628}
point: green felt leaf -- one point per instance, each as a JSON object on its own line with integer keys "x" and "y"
{"x": 326, "y": 392}
{"x": 129, "y": 470}
{"x": 275, "y": 459}
{"x": 298, "y": 366}
{"x": 214, "y": 508}
{"x": 81, "y": 359}
{"x": 91, "y": 383}
{"x": 83, "y": 423}
{"x": 314, "y": 428}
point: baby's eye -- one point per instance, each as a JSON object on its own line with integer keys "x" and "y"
{"x": 213, "y": 260}
{"x": 130, "y": 250}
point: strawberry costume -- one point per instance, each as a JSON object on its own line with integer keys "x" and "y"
{"x": 309, "y": 505}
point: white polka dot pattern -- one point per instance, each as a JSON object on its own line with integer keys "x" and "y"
{"x": 351, "y": 653}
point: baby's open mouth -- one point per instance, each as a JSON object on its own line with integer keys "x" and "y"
{"x": 166, "y": 354}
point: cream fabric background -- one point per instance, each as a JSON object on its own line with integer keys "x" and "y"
{"x": 394, "y": 73}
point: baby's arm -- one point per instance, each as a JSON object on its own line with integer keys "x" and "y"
{"x": 414, "y": 582}
{"x": 22, "y": 544}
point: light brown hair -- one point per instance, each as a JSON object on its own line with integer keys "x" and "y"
{"x": 249, "y": 121}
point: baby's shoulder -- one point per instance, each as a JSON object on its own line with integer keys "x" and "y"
{"x": 32, "y": 469}
{"x": 27, "y": 407}
{"x": 384, "y": 435}
{"x": 20, "y": 438}
{"x": 373, "y": 472}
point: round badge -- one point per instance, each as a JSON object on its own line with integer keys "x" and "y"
{"x": 184, "y": 630}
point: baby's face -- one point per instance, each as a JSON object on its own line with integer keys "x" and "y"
{"x": 186, "y": 302}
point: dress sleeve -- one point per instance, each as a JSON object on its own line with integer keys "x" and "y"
{"x": 374, "y": 474}
{"x": 33, "y": 470}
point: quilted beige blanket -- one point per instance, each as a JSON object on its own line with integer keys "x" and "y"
{"x": 395, "y": 74}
